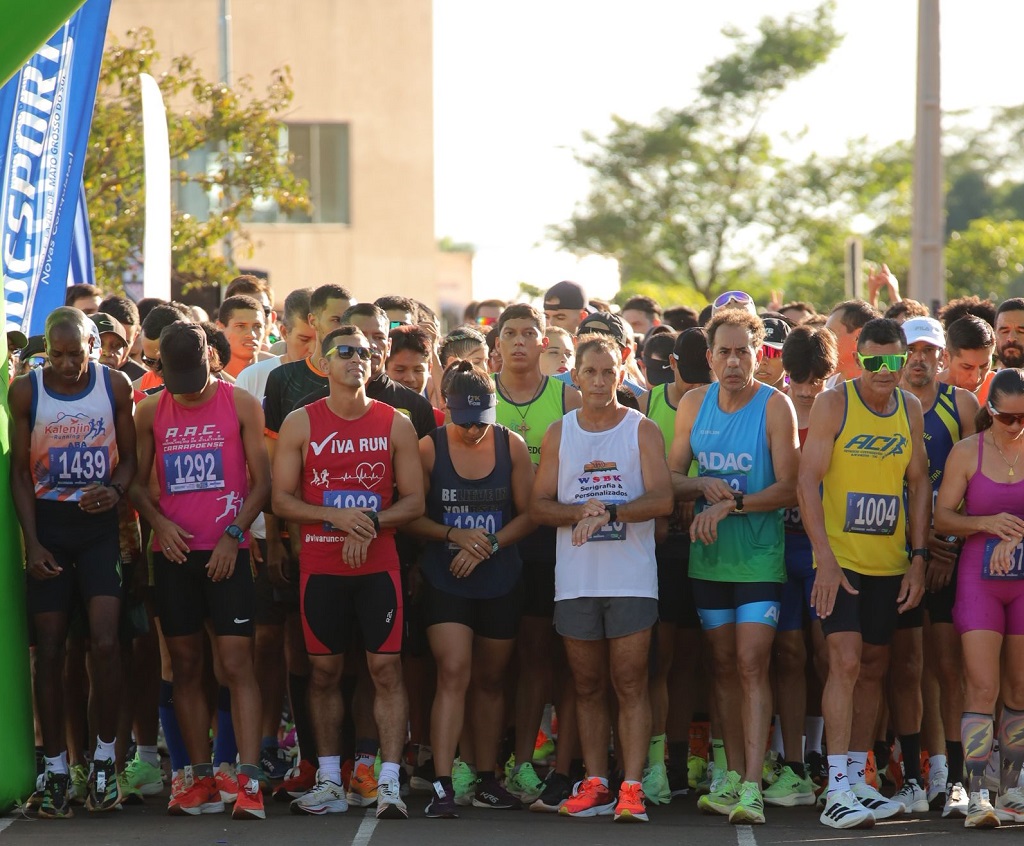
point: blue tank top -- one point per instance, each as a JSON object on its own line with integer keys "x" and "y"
{"x": 942, "y": 429}
{"x": 734, "y": 447}
{"x": 471, "y": 503}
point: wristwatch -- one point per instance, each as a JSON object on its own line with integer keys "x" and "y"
{"x": 739, "y": 503}
{"x": 234, "y": 532}
{"x": 923, "y": 551}
{"x": 376, "y": 520}
{"x": 493, "y": 540}
{"x": 613, "y": 512}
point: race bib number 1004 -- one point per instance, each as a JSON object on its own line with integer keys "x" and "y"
{"x": 871, "y": 514}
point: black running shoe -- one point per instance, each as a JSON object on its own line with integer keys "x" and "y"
{"x": 496, "y": 797}
{"x": 54, "y": 804}
{"x": 442, "y": 804}
{"x": 557, "y": 789}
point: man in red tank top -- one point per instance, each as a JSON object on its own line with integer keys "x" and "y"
{"x": 347, "y": 469}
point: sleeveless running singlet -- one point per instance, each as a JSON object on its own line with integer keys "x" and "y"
{"x": 734, "y": 447}
{"x": 618, "y": 560}
{"x": 200, "y": 465}
{"x": 73, "y": 443}
{"x": 942, "y": 429}
{"x": 662, "y": 412}
{"x": 863, "y": 490}
{"x": 984, "y": 496}
{"x": 469, "y": 504}
{"x": 348, "y": 464}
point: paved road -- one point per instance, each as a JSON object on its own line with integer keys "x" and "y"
{"x": 669, "y": 826}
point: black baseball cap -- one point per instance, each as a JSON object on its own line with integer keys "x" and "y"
{"x": 472, "y": 408}
{"x": 566, "y": 295}
{"x": 184, "y": 359}
{"x": 775, "y": 332}
{"x": 606, "y": 323}
{"x": 105, "y": 323}
{"x": 16, "y": 340}
{"x": 659, "y": 370}
{"x": 36, "y": 344}
{"x": 691, "y": 355}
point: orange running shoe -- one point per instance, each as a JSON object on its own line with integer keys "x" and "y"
{"x": 299, "y": 781}
{"x": 362, "y": 788}
{"x": 198, "y": 796}
{"x": 871, "y": 772}
{"x": 227, "y": 783}
{"x": 589, "y": 798}
{"x": 630, "y": 807}
{"x": 249, "y": 802}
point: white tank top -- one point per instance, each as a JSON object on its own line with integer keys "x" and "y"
{"x": 619, "y": 559}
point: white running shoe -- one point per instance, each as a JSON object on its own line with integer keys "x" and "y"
{"x": 1010, "y": 806}
{"x": 326, "y": 797}
{"x": 938, "y": 782}
{"x": 844, "y": 810}
{"x": 980, "y": 813}
{"x": 912, "y": 797}
{"x": 389, "y": 801}
{"x": 956, "y": 801}
{"x": 880, "y": 807}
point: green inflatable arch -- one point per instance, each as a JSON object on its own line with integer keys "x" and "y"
{"x": 26, "y": 26}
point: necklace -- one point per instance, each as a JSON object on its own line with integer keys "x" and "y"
{"x": 522, "y": 428}
{"x": 1010, "y": 472}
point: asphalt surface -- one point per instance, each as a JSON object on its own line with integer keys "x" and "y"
{"x": 677, "y": 823}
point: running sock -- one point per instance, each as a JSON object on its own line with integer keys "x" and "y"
{"x": 656, "y": 751}
{"x": 366, "y": 752}
{"x": 269, "y": 742}
{"x": 955, "y": 758}
{"x": 814, "y": 728}
{"x": 1011, "y": 747}
{"x": 172, "y": 732}
{"x": 678, "y": 753}
{"x": 330, "y": 768}
{"x": 388, "y": 771}
{"x": 777, "y": 745}
{"x": 149, "y": 755}
{"x": 977, "y": 735}
{"x": 247, "y": 773}
{"x": 225, "y": 750}
{"x": 298, "y": 693}
{"x": 856, "y": 764}
{"x": 487, "y": 779}
{"x": 797, "y": 767}
{"x": 718, "y": 755}
{"x": 910, "y": 744}
{"x": 57, "y": 765}
{"x": 446, "y": 783}
{"x": 882, "y": 752}
{"x": 837, "y": 767}
{"x": 104, "y": 750}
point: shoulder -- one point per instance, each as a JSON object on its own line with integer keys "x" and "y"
{"x": 913, "y": 403}
{"x": 966, "y": 402}
{"x": 694, "y": 398}
{"x": 647, "y": 428}
{"x": 20, "y": 390}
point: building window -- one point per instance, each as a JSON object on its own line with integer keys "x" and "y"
{"x": 320, "y": 156}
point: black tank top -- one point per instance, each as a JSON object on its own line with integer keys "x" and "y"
{"x": 471, "y": 503}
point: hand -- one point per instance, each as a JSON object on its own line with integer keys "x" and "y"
{"x": 172, "y": 540}
{"x": 275, "y": 563}
{"x": 463, "y": 564}
{"x": 255, "y": 551}
{"x": 584, "y": 530}
{"x": 590, "y": 508}
{"x": 827, "y": 581}
{"x": 41, "y": 564}
{"x": 1002, "y": 557}
{"x": 353, "y": 551}
{"x": 222, "y": 560}
{"x": 775, "y": 303}
{"x": 473, "y": 542}
{"x": 716, "y": 490}
{"x": 98, "y": 499}
{"x": 1005, "y": 526}
{"x": 912, "y": 587}
{"x": 704, "y": 528}
{"x": 939, "y": 570}
{"x": 354, "y": 521}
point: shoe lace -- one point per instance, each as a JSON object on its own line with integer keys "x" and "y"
{"x": 631, "y": 793}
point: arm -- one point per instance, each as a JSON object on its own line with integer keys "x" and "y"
{"x": 545, "y": 509}
{"x": 124, "y": 426}
{"x": 967, "y": 407}
{"x": 919, "y": 510}
{"x": 423, "y": 526}
{"x": 685, "y": 487}
{"x": 948, "y": 519}
{"x": 408, "y": 473}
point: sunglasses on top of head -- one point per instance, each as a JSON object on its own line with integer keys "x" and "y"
{"x": 891, "y": 362}
{"x": 739, "y": 297}
{"x": 345, "y": 351}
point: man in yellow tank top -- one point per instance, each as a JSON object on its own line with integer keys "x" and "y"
{"x": 864, "y": 442}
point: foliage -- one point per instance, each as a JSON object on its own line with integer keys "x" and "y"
{"x": 239, "y": 129}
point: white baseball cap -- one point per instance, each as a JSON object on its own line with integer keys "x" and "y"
{"x": 926, "y": 329}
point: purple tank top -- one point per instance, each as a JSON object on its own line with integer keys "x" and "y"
{"x": 983, "y": 496}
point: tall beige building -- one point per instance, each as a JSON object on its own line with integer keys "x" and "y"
{"x": 360, "y": 127}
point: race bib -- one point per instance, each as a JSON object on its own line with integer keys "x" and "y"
{"x": 871, "y": 514}
{"x": 489, "y": 521}
{"x": 738, "y": 482}
{"x": 791, "y": 520}
{"x": 1016, "y": 562}
{"x": 194, "y": 470}
{"x": 78, "y": 466}
{"x": 350, "y": 499}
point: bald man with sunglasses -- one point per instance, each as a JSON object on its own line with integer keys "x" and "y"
{"x": 864, "y": 443}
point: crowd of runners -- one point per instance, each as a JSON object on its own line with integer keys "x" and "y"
{"x": 571, "y": 559}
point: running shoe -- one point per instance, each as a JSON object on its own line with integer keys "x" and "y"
{"x": 723, "y": 796}
{"x": 589, "y": 798}
{"x": 325, "y": 797}
{"x": 937, "y": 788}
{"x": 463, "y": 782}
{"x": 494, "y": 796}
{"x": 79, "y": 791}
{"x": 696, "y": 769}
{"x": 104, "y": 791}
{"x": 227, "y": 783}
{"x": 956, "y": 801}
{"x": 273, "y": 763}
{"x": 678, "y": 782}
{"x": 557, "y": 789}
{"x": 143, "y": 777}
{"x": 54, "y": 803}
{"x": 33, "y": 801}
{"x": 844, "y": 810}
{"x": 362, "y": 789}
{"x": 912, "y": 797}
{"x": 389, "y": 800}
{"x": 980, "y": 813}
{"x": 790, "y": 790}
{"x": 423, "y": 777}
{"x": 771, "y": 767}
{"x": 1010, "y": 806}
{"x": 656, "y": 786}
{"x": 703, "y": 786}
{"x": 880, "y": 807}
{"x": 198, "y": 796}
{"x": 249, "y": 800}
{"x": 525, "y": 784}
{"x": 749, "y": 810}
{"x": 442, "y": 804}
{"x": 543, "y": 749}
{"x": 630, "y": 807}
{"x": 129, "y": 796}
{"x": 299, "y": 781}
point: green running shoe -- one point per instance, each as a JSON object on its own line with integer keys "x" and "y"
{"x": 790, "y": 790}
{"x": 750, "y": 808}
{"x": 723, "y": 796}
{"x": 655, "y": 784}
{"x": 464, "y": 782}
{"x": 525, "y": 784}
{"x": 143, "y": 777}
{"x": 771, "y": 769}
{"x": 79, "y": 790}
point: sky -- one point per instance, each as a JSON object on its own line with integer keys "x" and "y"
{"x": 517, "y": 85}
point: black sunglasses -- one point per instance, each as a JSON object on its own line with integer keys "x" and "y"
{"x": 149, "y": 362}
{"x": 471, "y": 425}
{"x": 344, "y": 351}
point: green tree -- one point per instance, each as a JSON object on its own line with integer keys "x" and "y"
{"x": 235, "y": 126}
{"x": 986, "y": 259}
{"x": 694, "y": 197}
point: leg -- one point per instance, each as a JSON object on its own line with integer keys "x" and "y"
{"x": 325, "y": 702}
{"x": 844, "y": 657}
{"x": 627, "y": 658}
{"x": 753, "y": 657}
{"x": 535, "y": 645}
{"x": 105, "y": 650}
{"x": 390, "y": 705}
{"x": 906, "y": 704}
{"x": 239, "y": 677}
{"x": 452, "y": 645}
{"x": 588, "y": 661}
{"x": 270, "y": 676}
{"x": 491, "y": 658}
{"x": 867, "y": 694}
{"x": 190, "y": 703}
{"x": 728, "y": 694}
{"x": 790, "y": 654}
{"x": 51, "y": 633}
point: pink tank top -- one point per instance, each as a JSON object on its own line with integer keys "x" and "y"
{"x": 200, "y": 465}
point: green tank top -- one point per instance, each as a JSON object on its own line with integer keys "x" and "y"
{"x": 532, "y": 419}
{"x": 661, "y": 411}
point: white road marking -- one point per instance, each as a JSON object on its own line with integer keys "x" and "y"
{"x": 5, "y": 823}
{"x": 859, "y": 836}
{"x": 745, "y": 836}
{"x": 366, "y": 828}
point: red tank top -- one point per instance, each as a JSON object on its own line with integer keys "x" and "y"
{"x": 200, "y": 465}
{"x": 347, "y": 465}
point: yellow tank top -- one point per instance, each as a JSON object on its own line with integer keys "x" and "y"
{"x": 863, "y": 490}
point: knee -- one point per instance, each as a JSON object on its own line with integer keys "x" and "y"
{"x": 844, "y": 666}
{"x": 105, "y": 647}
{"x": 752, "y": 665}
{"x": 907, "y": 666}
{"x": 387, "y": 674}
{"x": 629, "y": 684}
{"x": 236, "y": 666}
{"x": 790, "y": 655}
{"x": 452, "y": 675}
{"x": 323, "y": 676}
{"x": 589, "y": 685}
